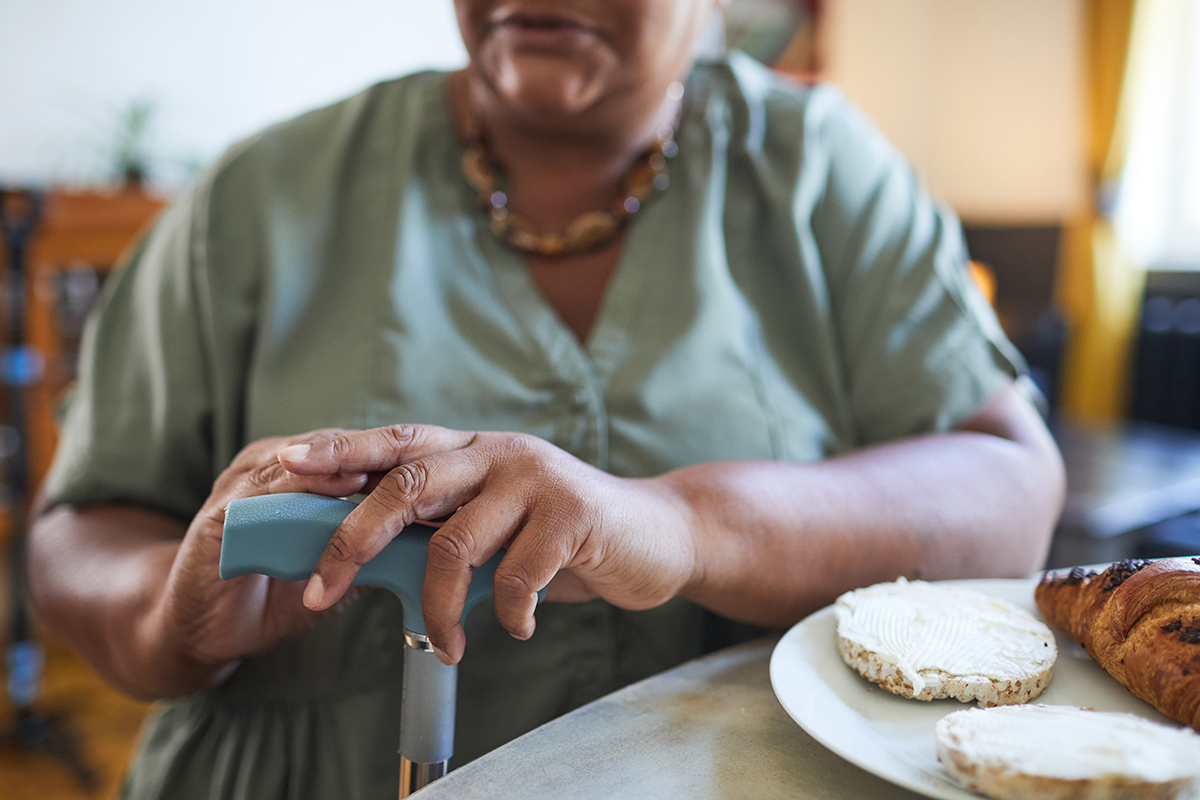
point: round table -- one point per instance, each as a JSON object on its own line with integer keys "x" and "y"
{"x": 710, "y": 728}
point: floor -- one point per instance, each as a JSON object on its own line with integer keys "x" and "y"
{"x": 100, "y": 721}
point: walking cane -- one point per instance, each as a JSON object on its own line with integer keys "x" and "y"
{"x": 283, "y": 535}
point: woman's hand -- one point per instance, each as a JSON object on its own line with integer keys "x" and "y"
{"x": 210, "y": 623}
{"x": 627, "y": 541}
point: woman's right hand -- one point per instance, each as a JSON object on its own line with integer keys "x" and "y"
{"x": 207, "y": 624}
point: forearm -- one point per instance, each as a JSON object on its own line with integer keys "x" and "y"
{"x": 97, "y": 577}
{"x": 777, "y": 541}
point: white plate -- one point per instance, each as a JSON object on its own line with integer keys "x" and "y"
{"x": 893, "y": 737}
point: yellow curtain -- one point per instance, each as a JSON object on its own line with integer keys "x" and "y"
{"x": 1099, "y": 288}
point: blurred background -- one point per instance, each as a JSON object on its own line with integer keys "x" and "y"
{"x": 1065, "y": 133}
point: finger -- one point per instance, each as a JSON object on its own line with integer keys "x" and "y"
{"x": 257, "y": 464}
{"x": 428, "y": 488}
{"x": 468, "y": 539}
{"x": 339, "y": 484}
{"x": 310, "y": 436}
{"x": 273, "y": 479}
{"x": 539, "y": 551}
{"x": 375, "y": 450}
{"x": 375, "y": 478}
{"x": 264, "y": 451}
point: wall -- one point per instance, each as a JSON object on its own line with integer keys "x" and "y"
{"x": 216, "y": 70}
{"x": 984, "y": 96}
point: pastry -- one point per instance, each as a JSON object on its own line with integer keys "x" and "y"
{"x": 1140, "y": 620}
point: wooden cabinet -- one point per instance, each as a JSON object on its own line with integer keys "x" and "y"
{"x": 80, "y": 238}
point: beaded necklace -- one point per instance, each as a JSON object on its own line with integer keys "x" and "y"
{"x": 591, "y": 230}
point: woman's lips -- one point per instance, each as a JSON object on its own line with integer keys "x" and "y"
{"x": 542, "y": 31}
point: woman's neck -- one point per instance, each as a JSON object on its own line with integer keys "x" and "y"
{"x": 557, "y": 169}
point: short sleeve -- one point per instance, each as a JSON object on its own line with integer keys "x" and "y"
{"x": 153, "y": 416}
{"x": 922, "y": 348}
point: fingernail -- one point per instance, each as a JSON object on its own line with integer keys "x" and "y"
{"x": 296, "y": 452}
{"x": 314, "y": 593}
{"x": 442, "y": 657}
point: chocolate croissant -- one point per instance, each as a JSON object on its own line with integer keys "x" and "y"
{"x": 1140, "y": 620}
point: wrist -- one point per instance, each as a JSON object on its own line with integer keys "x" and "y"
{"x": 685, "y": 523}
{"x": 165, "y": 662}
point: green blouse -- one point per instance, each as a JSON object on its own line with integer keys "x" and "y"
{"x": 793, "y": 294}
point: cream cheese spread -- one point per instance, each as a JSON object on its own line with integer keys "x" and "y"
{"x": 1069, "y": 743}
{"x": 920, "y": 627}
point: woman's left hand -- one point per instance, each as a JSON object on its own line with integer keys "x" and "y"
{"x": 595, "y": 535}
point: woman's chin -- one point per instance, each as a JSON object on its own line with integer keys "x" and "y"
{"x": 547, "y": 88}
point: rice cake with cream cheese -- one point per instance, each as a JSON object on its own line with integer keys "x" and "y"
{"x": 928, "y": 641}
{"x": 1039, "y": 752}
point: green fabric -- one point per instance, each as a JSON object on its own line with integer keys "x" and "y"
{"x": 792, "y": 295}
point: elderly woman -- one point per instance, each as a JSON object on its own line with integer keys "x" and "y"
{"x": 729, "y": 339}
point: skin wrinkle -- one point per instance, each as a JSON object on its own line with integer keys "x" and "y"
{"x": 403, "y": 436}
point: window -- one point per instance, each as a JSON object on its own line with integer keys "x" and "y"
{"x": 1157, "y": 212}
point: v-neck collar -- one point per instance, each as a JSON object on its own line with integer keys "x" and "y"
{"x": 596, "y": 359}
